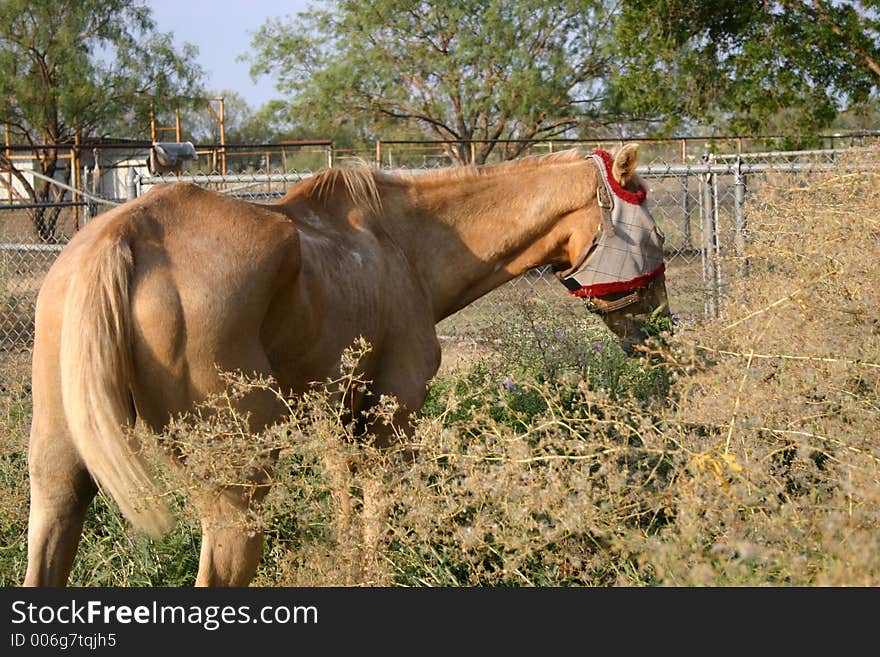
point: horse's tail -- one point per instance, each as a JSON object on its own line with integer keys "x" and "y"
{"x": 96, "y": 374}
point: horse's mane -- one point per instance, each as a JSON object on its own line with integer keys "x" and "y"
{"x": 359, "y": 179}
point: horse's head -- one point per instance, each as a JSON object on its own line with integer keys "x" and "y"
{"x": 618, "y": 269}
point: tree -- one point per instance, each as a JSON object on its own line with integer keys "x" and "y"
{"x": 83, "y": 69}
{"x": 458, "y": 70}
{"x": 242, "y": 123}
{"x": 744, "y": 65}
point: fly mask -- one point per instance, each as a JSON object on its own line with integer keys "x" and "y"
{"x": 626, "y": 255}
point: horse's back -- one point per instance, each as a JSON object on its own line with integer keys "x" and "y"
{"x": 205, "y": 270}
{"x": 217, "y": 282}
{"x": 219, "y": 259}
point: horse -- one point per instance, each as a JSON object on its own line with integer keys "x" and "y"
{"x": 150, "y": 302}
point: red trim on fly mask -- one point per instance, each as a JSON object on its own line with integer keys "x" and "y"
{"x": 635, "y": 198}
{"x": 601, "y": 289}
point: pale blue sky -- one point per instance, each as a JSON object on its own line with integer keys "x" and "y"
{"x": 222, "y": 30}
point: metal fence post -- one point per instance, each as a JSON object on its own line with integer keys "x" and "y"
{"x": 709, "y": 242}
{"x": 687, "y": 239}
{"x": 90, "y": 208}
{"x": 716, "y": 246}
{"x": 131, "y": 185}
{"x": 739, "y": 217}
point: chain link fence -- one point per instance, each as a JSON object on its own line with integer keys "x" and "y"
{"x": 32, "y": 235}
{"x": 702, "y": 207}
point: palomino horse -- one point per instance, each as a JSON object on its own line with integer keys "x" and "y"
{"x": 149, "y": 302}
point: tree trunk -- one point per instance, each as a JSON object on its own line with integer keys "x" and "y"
{"x": 46, "y": 219}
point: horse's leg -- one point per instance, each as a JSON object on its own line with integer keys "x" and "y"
{"x": 230, "y": 550}
{"x": 231, "y": 546}
{"x": 407, "y": 384}
{"x": 61, "y": 490}
{"x": 60, "y": 486}
{"x": 339, "y": 470}
{"x": 343, "y": 462}
{"x": 376, "y": 504}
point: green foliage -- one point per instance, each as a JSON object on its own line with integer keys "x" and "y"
{"x": 745, "y": 67}
{"x": 91, "y": 66}
{"x": 87, "y": 69}
{"x": 242, "y": 123}
{"x": 13, "y": 516}
{"x": 483, "y": 69}
{"x": 112, "y": 554}
{"x": 659, "y": 323}
{"x": 15, "y": 414}
{"x": 565, "y": 344}
{"x": 545, "y": 356}
{"x": 477, "y": 69}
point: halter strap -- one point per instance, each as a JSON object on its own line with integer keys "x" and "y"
{"x": 605, "y": 201}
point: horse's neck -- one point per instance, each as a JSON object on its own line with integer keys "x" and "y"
{"x": 468, "y": 234}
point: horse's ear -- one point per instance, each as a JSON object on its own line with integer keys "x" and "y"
{"x": 625, "y": 161}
